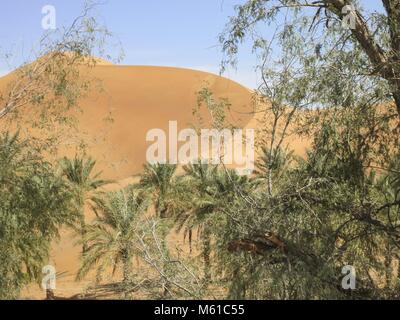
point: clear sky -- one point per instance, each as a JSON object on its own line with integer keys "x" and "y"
{"x": 181, "y": 33}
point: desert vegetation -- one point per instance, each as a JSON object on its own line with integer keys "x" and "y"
{"x": 284, "y": 232}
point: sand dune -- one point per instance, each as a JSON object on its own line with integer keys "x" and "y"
{"x": 138, "y": 99}
{"x": 143, "y": 98}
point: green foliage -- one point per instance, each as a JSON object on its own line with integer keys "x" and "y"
{"x": 307, "y": 218}
{"x": 327, "y": 211}
{"x": 158, "y": 179}
{"x": 34, "y": 204}
{"x": 124, "y": 230}
{"x": 111, "y": 237}
{"x": 216, "y": 109}
{"x": 84, "y": 185}
{"x": 207, "y": 190}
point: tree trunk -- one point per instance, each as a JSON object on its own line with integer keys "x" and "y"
{"x": 83, "y": 231}
{"x": 165, "y": 266}
{"x": 397, "y": 100}
{"x": 386, "y": 64}
{"x": 206, "y": 239}
{"x": 127, "y": 272}
{"x": 50, "y": 294}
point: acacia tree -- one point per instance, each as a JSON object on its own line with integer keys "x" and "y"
{"x": 34, "y": 203}
{"x": 341, "y": 62}
{"x": 326, "y": 212}
{"x": 41, "y": 92}
{"x": 312, "y": 60}
{"x": 337, "y": 206}
{"x": 315, "y": 61}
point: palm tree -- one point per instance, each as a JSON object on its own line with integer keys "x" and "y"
{"x": 158, "y": 179}
{"x": 199, "y": 181}
{"x": 111, "y": 237}
{"x": 83, "y": 184}
{"x": 210, "y": 190}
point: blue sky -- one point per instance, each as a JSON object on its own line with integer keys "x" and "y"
{"x": 181, "y": 33}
